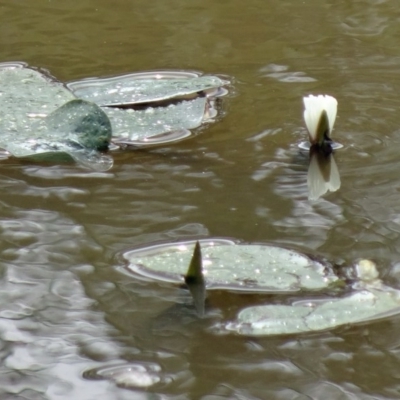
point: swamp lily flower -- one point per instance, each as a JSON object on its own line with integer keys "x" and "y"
{"x": 319, "y": 116}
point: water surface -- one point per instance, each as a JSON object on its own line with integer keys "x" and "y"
{"x": 66, "y": 305}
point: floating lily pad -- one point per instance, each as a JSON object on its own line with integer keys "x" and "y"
{"x": 77, "y": 129}
{"x": 36, "y": 122}
{"x": 310, "y": 316}
{"x": 177, "y": 102}
{"x": 232, "y": 266}
{"x": 41, "y": 119}
{"x": 27, "y": 96}
{"x": 143, "y": 88}
{"x": 156, "y": 125}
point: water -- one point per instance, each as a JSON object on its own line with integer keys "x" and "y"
{"x": 66, "y": 310}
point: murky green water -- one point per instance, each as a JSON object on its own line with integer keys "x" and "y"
{"x": 66, "y": 307}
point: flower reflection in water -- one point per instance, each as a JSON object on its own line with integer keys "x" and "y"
{"x": 323, "y": 174}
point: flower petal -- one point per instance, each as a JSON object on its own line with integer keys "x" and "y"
{"x": 313, "y": 109}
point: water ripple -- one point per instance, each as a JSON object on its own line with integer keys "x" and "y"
{"x": 281, "y": 74}
{"x": 369, "y": 22}
{"x": 45, "y": 315}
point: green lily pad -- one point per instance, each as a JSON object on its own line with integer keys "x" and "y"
{"x": 78, "y": 129}
{"x": 311, "y": 316}
{"x": 156, "y": 125}
{"x": 176, "y": 103}
{"x": 41, "y": 119}
{"x": 141, "y": 88}
{"x": 234, "y": 266}
{"x": 27, "y": 95}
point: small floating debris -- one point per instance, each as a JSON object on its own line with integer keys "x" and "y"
{"x": 366, "y": 271}
{"x": 129, "y": 376}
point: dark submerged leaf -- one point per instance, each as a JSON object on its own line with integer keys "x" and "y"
{"x": 82, "y": 122}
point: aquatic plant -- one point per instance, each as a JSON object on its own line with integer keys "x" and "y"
{"x": 194, "y": 280}
{"x": 230, "y": 265}
{"x": 331, "y": 295}
{"x": 43, "y": 119}
{"x": 319, "y": 116}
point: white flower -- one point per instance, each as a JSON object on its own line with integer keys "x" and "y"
{"x": 319, "y": 116}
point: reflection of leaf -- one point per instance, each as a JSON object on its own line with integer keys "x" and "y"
{"x": 323, "y": 174}
{"x": 238, "y": 267}
{"x": 309, "y": 316}
{"x": 195, "y": 281}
